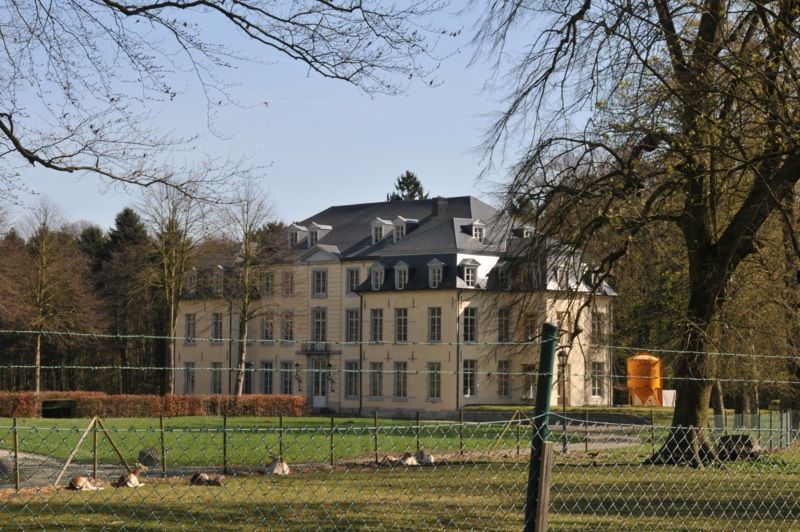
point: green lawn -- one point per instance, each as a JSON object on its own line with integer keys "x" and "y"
{"x": 469, "y": 495}
{"x": 251, "y": 441}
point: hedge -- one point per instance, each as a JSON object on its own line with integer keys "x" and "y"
{"x": 87, "y": 404}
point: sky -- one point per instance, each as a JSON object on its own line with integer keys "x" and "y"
{"x": 319, "y": 142}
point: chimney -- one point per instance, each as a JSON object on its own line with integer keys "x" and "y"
{"x": 439, "y": 205}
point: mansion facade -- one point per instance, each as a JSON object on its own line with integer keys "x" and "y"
{"x": 397, "y": 307}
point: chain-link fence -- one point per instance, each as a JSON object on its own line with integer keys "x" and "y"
{"x": 399, "y": 474}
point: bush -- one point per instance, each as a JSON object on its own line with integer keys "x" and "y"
{"x": 88, "y": 404}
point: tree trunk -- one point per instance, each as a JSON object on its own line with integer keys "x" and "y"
{"x": 37, "y": 362}
{"x": 242, "y": 357}
{"x": 718, "y": 404}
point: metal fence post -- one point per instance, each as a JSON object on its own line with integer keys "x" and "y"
{"x": 163, "y": 447}
{"x": 280, "y": 436}
{"x": 332, "y": 429}
{"x": 417, "y": 432}
{"x": 15, "y": 429}
{"x": 94, "y": 452}
{"x": 461, "y": 433}
{"x": 586, "y": 432}
{"x": 375, "y": 437}
{"x": 225, "y": 443}
{"x": 535, "y": 516}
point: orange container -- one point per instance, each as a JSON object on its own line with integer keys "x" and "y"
{"x": 644, "y": 380}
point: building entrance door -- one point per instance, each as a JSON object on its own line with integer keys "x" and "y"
{"x": 319, "y": 383}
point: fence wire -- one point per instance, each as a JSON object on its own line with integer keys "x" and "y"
{"x": 390, "y": 474}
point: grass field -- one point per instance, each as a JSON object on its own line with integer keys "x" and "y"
{"x": 600, "y": 487}
{"x": 467, "y": 496}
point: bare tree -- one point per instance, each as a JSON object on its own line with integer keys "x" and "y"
{"x": 242, "y": 224}
{"x": 176, "y": 222}
{"x": 78, "y": 78}
{"x": 691, "y": 119}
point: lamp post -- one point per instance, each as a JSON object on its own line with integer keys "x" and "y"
{"x": 562, "y": 368}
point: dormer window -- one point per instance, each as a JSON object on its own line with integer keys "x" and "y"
{"x": 435, "y": 273}
{"x": 402, "y": 226}
{"x": 478, "y": 230}
{"x": 376, "y": 277}
{"x": 316, "y": 232}
{"x": 295, "y": 234}
{"x": 400, "y": 275}
{"x": 190, "y": 281}
{"x": 217, "y": 281}
{"x": 313, "y": 237}
{"x": 377, "y": 234}
{"x": 470, "y": 276}
{"x": 470, "y": 272}
{"x": 399, "y": 231}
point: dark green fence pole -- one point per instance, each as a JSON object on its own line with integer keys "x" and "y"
{"x": 332, "y": 429}
{"x": 225, "y": 443}
{"x": 16, "y": 454}
{"x": 94, "y": 453}
{"x": 541, "y": 418}
{"x": 417, "y": 432}
{"x": 375, "y": 422}
{"x": 461, "y": 433}
{"x": 280, "y": 437}
{"x": 163, "y": 447}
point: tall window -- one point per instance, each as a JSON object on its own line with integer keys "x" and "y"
{"x": 529, "y": 327}
{"x": 376, "y": 380}
{"x": 598, "y": 369}
{"x": 266, "y": 376}
{"x": 353, "y": 280}
{"x": 399, "y": 231}
{"x": 435, "y": 276}
{"x": 248, "y": 378}
{"x": 504, "y": 325}
{"x": 267, "y": 283}
{"x": 267, "y": 329}
{"x": 217, "y": 282}
{"x": 319, "y": 325}
{"x": 287, "y": 378}
{"x": 352, "y": 325}
{"x": 190, "y": 334}
{"x": 400, "y": 276}
{"x": 470, "y": 378}
{"x": 564, "y": 327}
{"x": 287, "y": 326}
{"x": 471, "y": 324}
{"x": 470, "y": 276}
{"x": 598, "y": 330}
{"x": 434, "y": 324}
{"x": 190, "y": 282}
{"x": 504, "y": 378}
{"x": 216, "y": 378}
{"x": 376, "y": 325}
{"x": 401, "y": 325}
{"x": 216, "y": 327}
{"x": 351, "y": 380}
{"x": 529, "y": 381}
{"x": 287, "y": 283}
{"x": 377, "y": 277}
{"x": 188, "y": 378}
{"x": 319, "y": 283}
{"x": 434, "y": 380}
{"x": 377, "y": 233}
{"x": 313, "y": 236}
{"x": 400, "y": 380}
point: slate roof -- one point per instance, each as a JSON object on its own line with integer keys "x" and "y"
{"x": 447, "y": 231}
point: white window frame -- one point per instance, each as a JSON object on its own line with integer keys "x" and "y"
{"x": 287, "y": 377}
{"x": 399, "y": 231}
{"x": 190, "y": 328}
{"x": 319, "y": 325}
{"x": 287, "y": 283}
{"x": 376, "y": 380}
{"x": 313, "y": 238}
{"x": 267, "y": 373}
{"x": 376, "y": 325}
{"x": 400, "y": 276}
{"x": 478, "y": 232}
{"x": 352, "y": 325}
{"x": 400, "y": 381}
{"x": 351, "y": 372}
{"x": 216, "y": 378}
{"x": 504, "y": 325}
{"x": 434, "y": 392}
{"x": 470, "y": 324}
{"x": 188, "y": 378}
{"x": 435, "y": 276}
{"x": 597, "y": 374}
{"x": 267, "y": 329}
{"x": 377, "y": 277}
{"x": 434, "y": 324}
{"x": 319, "y": 283}
{"x": 377, "y": 233}
{"x": 217, "y": 328}
{"x": 267, "y": 284}
{"x": 504, "y": 378}
{"x": 287, "y": 326}
{"x": 351, "y": 286}
{"x": 217, "y": 281}
{"x": 471, "y": 276}
{"x": 294, "y": 239}
{"x": 400, "y": 325}
{"x": 470, "y": 377}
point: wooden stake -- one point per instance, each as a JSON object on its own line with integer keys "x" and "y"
{"x": 332, "y": 428}
{"x": 94, "y": 452}
{"x": 16, "y": 454}
{"x": 74, "y": 451}
{"x": 543, "y": 502}
{"x": 280, "y": 437}
{"x": 163, "y": 447}
{"x": 114, "y": 445}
